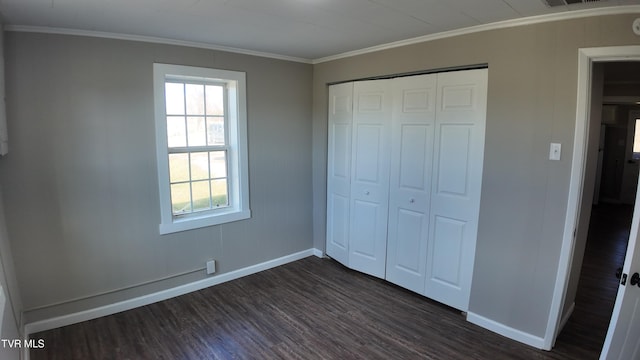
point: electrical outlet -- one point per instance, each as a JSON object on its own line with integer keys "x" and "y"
{"x": 211, "y": 267}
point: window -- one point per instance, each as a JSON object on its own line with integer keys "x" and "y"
{"x": 636, "y": 140}
{"x": 201, "y": 146}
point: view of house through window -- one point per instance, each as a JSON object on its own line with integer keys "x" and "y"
{"x": 196, "y": 138}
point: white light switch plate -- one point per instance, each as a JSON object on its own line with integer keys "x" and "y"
{"x": 554, "y": 151}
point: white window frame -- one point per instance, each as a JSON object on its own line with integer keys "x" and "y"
{"x": 238, "y": 169}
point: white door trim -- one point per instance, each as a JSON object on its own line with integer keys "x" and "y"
{"x": 586, "y": 57}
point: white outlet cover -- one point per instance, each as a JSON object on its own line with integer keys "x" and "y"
{"x": 636, "y": 26}
{"x": 211, "y": 267}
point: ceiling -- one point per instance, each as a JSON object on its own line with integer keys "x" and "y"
{"x": 299, "y": 29}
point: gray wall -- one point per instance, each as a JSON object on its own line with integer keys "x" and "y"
{"x": 531, "y": 103}
{"x": 12, "y": 314}
{"x": 12, "y": 311}
{"x": 80, "y": 180}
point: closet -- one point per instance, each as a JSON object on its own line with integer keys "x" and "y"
{"x": 403, "y": 179}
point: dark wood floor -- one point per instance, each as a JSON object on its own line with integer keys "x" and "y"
{"x": 313, "y": 309}
{"x": 605, "y": 252}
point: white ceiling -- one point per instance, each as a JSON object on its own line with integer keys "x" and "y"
{"x": 303, "y": 29}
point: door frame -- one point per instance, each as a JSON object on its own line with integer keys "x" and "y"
{"x": 629, "y": 193}
{"x": 586, "y": 58}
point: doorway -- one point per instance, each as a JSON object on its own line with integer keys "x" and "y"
{"x": 585, "y": 331}
{"x": 589, "y": 267}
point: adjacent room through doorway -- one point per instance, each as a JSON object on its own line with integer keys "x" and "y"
{"x": 616, "y": 181}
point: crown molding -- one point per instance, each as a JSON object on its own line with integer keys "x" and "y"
{"x": 567, "y": 15}
{"x": 149, "y": 39}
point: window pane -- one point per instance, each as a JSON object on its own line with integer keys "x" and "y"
{"x": 196, "y": 131}
{"x": 201, "y": 195}
{"x": 636, "y": 137}
{"x": 199, "y": 166}
{"x": 195, "y": 99}
{"x": 219, "y": 193}
{"x": 180, "y": 198}
{"x": 174, "y": 98}
{"x": 215, "y": 131}
{"x": 178, "y": 167}
{"x": 176, "y": 131}
{"x": 218, "y": 164}
{"x": 215, "y": 100}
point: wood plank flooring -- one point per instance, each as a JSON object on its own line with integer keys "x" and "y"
{"x": 317, "y": 309}
{"x": 605, "y": 251}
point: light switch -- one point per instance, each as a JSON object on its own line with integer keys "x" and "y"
{"x": 554, "y": 151}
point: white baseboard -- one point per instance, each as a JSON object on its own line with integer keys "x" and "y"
{"x": 506, "y": 331}
{"x": 317, "y": 253}
{"x": 114, "y": 308}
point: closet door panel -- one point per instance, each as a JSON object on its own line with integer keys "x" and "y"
{"x": 409, "y": 233}
{"x": 338, "y": 227}
{"x": 339, "y": 171}
{"x": 455, "y": 196}
{"x": 448, "y": 244}
{"x": 414, "y": 147}
{"x": 362, "y": 245}
{"x": 410, "y": 181}
{"x": 453, "y": 161}
{"x": 369, "y": 142}
{"x": 370, "y": 177}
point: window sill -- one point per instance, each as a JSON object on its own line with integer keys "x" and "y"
{"x": 196, "y": 222}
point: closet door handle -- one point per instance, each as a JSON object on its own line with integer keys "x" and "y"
{"x": 411, "y": 201}
{"x": 366, "y": 192}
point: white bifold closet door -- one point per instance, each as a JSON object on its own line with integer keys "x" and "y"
{"x": 339, "y": 171}
{"x": 358, "y": 174}
{"x": 456, "y": 185}
{"x": 370, "y": 176}
{"x": 404, "y": 175}
{"x": 410, "y": 182}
